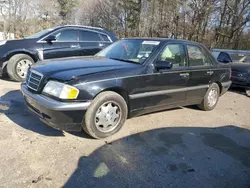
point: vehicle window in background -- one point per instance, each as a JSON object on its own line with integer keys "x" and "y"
{"x": 245, "y": 59}
{"x": 197, "y": 57}
{"x": 66, "y": 35}
{"x": 105, "y": 38}
{"x": 175, "y": 54}
{"x": 89, "y": 36}
{"x": 39, "y": 34}
{"x": 132, "y": 50}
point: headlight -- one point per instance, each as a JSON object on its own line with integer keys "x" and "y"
{"x": 60, "y": 90}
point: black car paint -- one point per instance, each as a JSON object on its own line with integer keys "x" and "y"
{"x": 32, "y": 46}
{"x": 143, "y": 87}
{"x": 240, "y": 71}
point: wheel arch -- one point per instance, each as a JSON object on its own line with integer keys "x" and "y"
{"x": 220, "y": 85}
{"x": 32, "y": 54}
{"x": 10, "y": 54}
{"x": 120, "y": 91}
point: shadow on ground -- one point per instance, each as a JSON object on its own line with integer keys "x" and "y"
{"x": 170, "y": 157}
{"x": 14, "y": 107}
{"x": 239, "y": 91}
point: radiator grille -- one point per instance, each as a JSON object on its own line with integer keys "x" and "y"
{"x": 33, "y": 80}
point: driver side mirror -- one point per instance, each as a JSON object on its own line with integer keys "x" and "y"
{"x": 50, "y": 38}
{"x": 159, "y": 65}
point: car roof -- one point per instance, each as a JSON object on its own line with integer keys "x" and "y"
{"x": 80, "y": 26}
{"x": 98, "y": 29}
{"x": 161, "y": 39}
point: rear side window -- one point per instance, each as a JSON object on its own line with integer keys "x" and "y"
{"x": 89, "y": 36}
{"x": 105, "y": 38}
{"x": 197, "y": 57}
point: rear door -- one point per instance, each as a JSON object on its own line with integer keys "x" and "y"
{"x": 91, "y": 42}
{"x": 66, "y": 44}
{"x": 200, "y": 72}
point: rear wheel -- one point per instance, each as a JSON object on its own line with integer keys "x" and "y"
{"x": 106, "y": 115}
{"x": 248, "y": 92}
{"x": 211, "y": 98}
{"x": 18, "y": 66}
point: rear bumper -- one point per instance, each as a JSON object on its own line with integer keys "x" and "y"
{"x": 241, "y": 81}
{"x": 59, "y": 115}
{"x": 247, "y": 87}
{"x": 241, "y": 85}
{"x": 225, "y": 87}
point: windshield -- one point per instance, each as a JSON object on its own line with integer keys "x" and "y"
{"x": 131, "y": 50}
{"x": 39, "y": 34}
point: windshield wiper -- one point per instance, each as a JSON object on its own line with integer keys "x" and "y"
{"x": 125, "y": 60}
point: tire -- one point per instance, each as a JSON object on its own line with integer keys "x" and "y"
{"x": 205, "y": 105}
{"x": 12, "y": 66}
{"x": 248, "y": 92}
{"x": 112, "y": 100}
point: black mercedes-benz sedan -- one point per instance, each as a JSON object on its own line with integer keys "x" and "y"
{"x": 129, "y": 78}
{"x": 16, "y": 56}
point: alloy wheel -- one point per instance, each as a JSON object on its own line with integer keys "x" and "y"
{"x": 107, "y": 117}
{"x": 212, "y": 97}
{"x": 22, "y": 67}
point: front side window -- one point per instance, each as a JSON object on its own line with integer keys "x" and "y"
{"x": 131, "y": 50}
{"x": 175, "y": 54}
{"x": 197, "y": 57}
{"x": 66, "y": 35}
{"x": 89, "y": 36}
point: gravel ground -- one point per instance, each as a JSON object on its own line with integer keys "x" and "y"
{"x": 183, "y": 147}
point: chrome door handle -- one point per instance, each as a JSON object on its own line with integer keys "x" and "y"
{"x": 184, "y": 74}
{"x": 101, "y": 45}
{"x": 74, "y": 46}
{"x": 210, "y": 72}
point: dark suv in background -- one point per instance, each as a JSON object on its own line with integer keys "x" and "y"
{"x": 16, "y": 56}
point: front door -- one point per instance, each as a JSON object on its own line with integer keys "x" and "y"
{"x": 200, "y": 72}
{"x": 66, "y": 45}
{"x": 166, "y": 87}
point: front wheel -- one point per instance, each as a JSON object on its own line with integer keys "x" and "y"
{"x": 211, "y": 98}
{"x": 18, "y": 66}
{"x": 106, "y": 115}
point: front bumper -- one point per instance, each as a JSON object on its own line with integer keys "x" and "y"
{"x": 66, "y": 116}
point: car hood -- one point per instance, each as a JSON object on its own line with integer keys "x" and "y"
{"x": 20, "y": 41}
{"x": 65, "y": 69}
{"x": 240, "y": 67}
{"x": 8, "y": 45}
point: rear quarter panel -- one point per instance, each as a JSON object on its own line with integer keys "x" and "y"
{"x": 221, "y": 74}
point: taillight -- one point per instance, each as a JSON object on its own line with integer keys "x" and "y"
{"x": 230, "y": 74}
